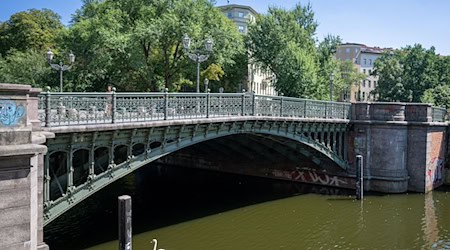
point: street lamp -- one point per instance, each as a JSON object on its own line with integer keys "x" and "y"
{"x": 331, "y": 86}
{"x": 60, "y": 67}
{"x": 197, "y": 55}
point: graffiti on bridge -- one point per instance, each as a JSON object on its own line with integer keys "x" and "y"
{"x": 10, "y": 112}
{"x": 313, "y": 177}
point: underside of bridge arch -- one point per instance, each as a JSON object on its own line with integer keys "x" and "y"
{"x": 298, "y": 151}
{"x": 260, "y": 155}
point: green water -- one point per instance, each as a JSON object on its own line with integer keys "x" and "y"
{"x": 191, "y": 209}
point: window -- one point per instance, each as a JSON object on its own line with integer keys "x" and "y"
{"x": 370, "y": 71}
{"x": 364, "y": 71}
{"x": 230, "y": 14}
{"x": 241, "y": 14}
{"x": 365, "y": 61}
{"x": 364, "y": 83}
{"x": 347, "y": 50}
{"x": 370, "y": 61}
{"x": 370, "y": 84}
{"x": 374, "y": 84}
{"x": 241, "y": 28}
{"x": 356, "y": 61}
{"x": 364, "y": 96}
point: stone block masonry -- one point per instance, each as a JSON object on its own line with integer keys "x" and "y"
{"x": 20, "y": 164}
{"x": 403, "y": 149}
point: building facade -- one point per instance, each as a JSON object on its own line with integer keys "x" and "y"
{"x": 363, "y": 58}
{"x": 258, "y": 80}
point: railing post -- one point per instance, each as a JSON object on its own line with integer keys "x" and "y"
{"x": 253, "y": 103}
{"x": 243, "y": 103}
{"x": 326, "y": 110}
{"x": 48, "y": 109}
{"x": 166, "y": 102}
{"x": 208, "y": 101}
{"x": 343, "y": 111}
{"x": 304, "y": 109}
{"x": 281, "y": 104}
{"x": 113, "y": 105}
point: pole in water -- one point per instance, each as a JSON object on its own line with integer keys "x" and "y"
{"x": 359, "y": 178}
{"x": 125, "y": 222}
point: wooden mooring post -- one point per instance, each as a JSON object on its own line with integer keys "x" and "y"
{"x": 359, "y": 177}
{"x": 125, "y": 231}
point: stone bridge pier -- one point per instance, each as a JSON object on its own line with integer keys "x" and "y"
{"x": 404, "y": 145}
{"x": 21, "y": 168}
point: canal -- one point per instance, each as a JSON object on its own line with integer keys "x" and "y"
{"x": 195, "y": 209}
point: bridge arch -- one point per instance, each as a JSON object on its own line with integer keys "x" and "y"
{"x": 155, "y": 143}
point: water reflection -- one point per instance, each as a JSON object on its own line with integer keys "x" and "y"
{"x": 429, "y": 222}
{"x": 193, "y": 209}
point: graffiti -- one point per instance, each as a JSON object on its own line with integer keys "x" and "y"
{"x": 10, "y": 113}
{"x": 436, "y": 176}
{"x": 311, "y": 177}
{"x": 435, "y": 167}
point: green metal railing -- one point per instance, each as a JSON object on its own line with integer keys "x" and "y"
{"x": 66, "y": 109}
{"x": 439, "y": 114}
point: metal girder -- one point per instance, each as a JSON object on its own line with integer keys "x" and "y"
{"x": 168, "y": 140}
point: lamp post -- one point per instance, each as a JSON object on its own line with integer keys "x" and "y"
{"x": 197, "y": 55}
{"x": 60, "y": 67}
{"x": 331, "y": 86}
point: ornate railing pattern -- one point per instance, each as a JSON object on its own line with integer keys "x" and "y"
{"x": 65, "y": 109}
{"x": 439, "y": 114}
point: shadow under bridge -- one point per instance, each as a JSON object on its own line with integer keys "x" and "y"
{"x": 80, "y": 163}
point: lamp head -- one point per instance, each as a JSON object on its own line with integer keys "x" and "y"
{"x": 186, "y": 41}
{"x": 49, "y": 55}
{"x": 209, "y": 45}
{"x": 71, "y": 57}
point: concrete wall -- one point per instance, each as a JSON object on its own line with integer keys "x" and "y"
{"x": 21, "y": 169}
{"x": 403, "y": 149}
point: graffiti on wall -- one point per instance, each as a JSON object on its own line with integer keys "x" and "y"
{"x": 10, "y": 113}
{"x": 435, "y": 171}
{"x": 435, "y": 167}
{"x": 313, "y": 177}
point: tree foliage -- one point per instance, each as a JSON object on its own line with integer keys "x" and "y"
{"x": 413, "y": 74}
{"x": 283, "y": 42}
{"x": 29, "y": 67}
{"x": 30, "y": 30}
{"x": 136, "y": 44}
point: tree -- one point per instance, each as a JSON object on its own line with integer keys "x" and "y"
{"x": 136, "y": 44}
{"x": 348, "y": 75}
{"x": 390, "y": 86}
{"x": 419, "y": 70}
{"x": 282, "y": 41}
{"x": 406, "y": 74}
{"x": 29, "y": 67}
{"x": 328, "y": 65}
{"x": 30, "y": 30}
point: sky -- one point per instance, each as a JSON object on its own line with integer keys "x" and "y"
{"x": 382, "y": 23}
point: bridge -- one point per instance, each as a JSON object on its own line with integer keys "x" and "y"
{"x": 78, "y": 143}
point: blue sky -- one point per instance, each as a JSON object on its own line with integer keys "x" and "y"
{"x": 383, "y": 23}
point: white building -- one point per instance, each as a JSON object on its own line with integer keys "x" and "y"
{"x": 364, "y": 58}
{"x": 258, "y": 80}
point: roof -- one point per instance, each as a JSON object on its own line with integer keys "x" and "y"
{"x": 237, "y": 6}
{"x": 367, "y": 49}
{"x": 374, "y": 50}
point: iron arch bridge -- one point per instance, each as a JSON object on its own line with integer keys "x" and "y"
{"x": 98, "y": 141}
